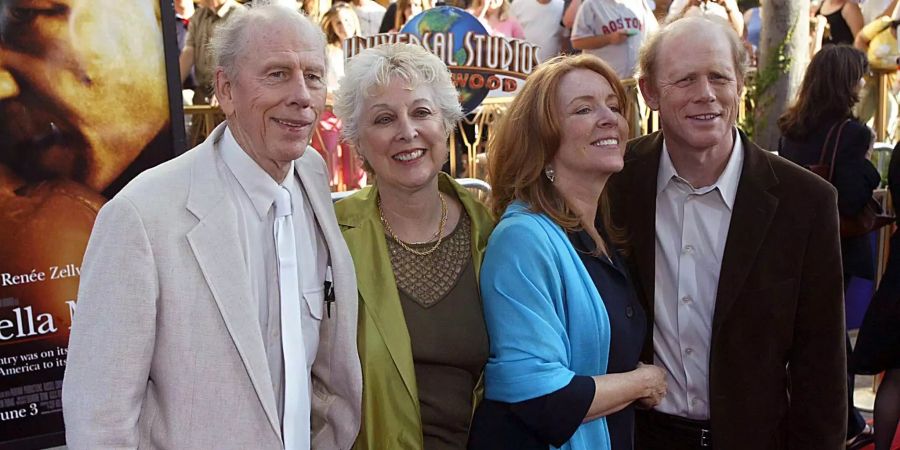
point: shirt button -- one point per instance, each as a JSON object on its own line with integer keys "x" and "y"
{"x": 629, "y": 312}
{"x": 688, "y": 249}
{"x": 688, "y": 350}
{"x": 686, "y": 300}
{"x": 694, "y": 402}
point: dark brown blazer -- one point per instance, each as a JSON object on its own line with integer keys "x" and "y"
{"x": 777, "y": 375}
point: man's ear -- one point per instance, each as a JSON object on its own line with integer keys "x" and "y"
{"x": 223, "y": 92}
{"x": 649, "y": 92}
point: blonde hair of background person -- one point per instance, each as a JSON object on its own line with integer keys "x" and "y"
{"x": 497, "y": 15}
{"x": 331, "y": 20}
{"x": 878, "y": 40}
{"x": 315, "y": 9}
{"x": 483, "y": 8}
{"x": 339, "y": 23}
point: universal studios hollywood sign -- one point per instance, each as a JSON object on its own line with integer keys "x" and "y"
{"x": 481, "y": 65}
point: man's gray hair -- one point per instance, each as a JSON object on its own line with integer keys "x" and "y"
{"x": 649, "y": 53}
{"x": 375, "y": 67}
{"x": 230, "y": 38}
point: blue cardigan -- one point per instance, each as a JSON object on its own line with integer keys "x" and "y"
{"x": 546, "y": 320}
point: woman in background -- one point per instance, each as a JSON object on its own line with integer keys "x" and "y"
{"x": 399, "y": 12}
{"x": 820, "y": 126}
{"x": 878, "y": 343}
{"x": 844, "y": 20}
{"x": 495, "y": 14}
{"x": 566, "y": 329}
{"x": 339, "y": 24}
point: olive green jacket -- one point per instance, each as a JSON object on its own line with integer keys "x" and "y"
{"x": 390, "y": 404}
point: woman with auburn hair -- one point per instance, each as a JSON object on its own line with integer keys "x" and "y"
{"x": 566, "y": 329}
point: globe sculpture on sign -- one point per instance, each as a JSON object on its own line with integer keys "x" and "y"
{"x": 448, "y": 19}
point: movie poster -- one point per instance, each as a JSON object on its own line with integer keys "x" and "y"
{"x": 84, "y": 107}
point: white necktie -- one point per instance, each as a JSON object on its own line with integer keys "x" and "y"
{"x": 296, "y": 379}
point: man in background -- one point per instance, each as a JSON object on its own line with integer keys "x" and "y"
{"x": 196, "y": 57}
{"x": 184, "y": 10}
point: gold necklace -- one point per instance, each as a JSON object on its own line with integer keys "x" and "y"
{"x": 440, "y": 233}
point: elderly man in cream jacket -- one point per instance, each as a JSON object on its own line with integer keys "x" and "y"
{"x": 217, "y": 306}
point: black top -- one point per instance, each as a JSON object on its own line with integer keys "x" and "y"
{"x": 553, "y": 418}
{"x": 840, "y": 31}
{"x": 878, "y": 343}
{"x": 854, "y": 178}
{"x": 628, "y": 325}
{"x": 387, "y": 21}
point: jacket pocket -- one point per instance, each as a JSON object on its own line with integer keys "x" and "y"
{"x": 315, "y": 301}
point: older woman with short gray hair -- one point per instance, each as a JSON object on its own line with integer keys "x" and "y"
{"x": 417, "y": 239}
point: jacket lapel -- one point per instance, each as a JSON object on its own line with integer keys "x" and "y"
{"x": 754, "y": 208}
{"x": 312, "y": 177}
{"x": 214, "y": 241}
{"x": 377, "y": 286}
{"x": 644, "y": 161}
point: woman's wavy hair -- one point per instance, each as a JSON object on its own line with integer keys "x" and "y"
{"x": 829, "y": 90}
{"x": 528, "y": 138}
{"x": 332, "y": 17}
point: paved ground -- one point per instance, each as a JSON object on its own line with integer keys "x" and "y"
{"x": 864, "y": 394}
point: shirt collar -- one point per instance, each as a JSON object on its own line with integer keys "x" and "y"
{"x": 256, "y": 182}
{"x": 727, "y": 183}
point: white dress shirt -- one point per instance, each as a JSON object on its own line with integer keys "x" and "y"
{"x": 253, "y": 192}
{"x": 691, "y": 230}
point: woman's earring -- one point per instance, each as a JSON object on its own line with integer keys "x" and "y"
{"x": 550, "y": 173}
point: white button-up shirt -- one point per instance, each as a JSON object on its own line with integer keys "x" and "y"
{"x": 253, "y": 192}
{"x": 691, "y": 229}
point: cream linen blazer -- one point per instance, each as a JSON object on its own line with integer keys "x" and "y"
{"x": 166, "y": 350}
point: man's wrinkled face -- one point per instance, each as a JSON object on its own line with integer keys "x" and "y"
{"x": 82, "y": 86}
{"x": 274, "y": 100}
{"x": 696, "y": 91}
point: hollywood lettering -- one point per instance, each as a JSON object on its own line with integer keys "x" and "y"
{"x": 487, "y": 58}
